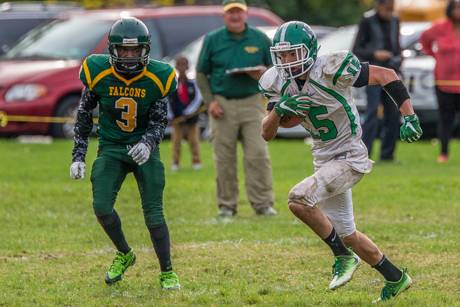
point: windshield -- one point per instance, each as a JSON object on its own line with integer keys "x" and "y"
{"x": 343, "y": 38}
{"x": 64, "y": 39}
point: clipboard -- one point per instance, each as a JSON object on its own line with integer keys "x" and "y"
{"x": 241, "y": 70}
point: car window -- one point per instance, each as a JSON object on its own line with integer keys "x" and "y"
{"x": 156, "y": 48}
{"x": 74, "y": 38}
{"x": 341, "y": 39}
{"x": 257, "y": 21}
{"x": 16, "y": 29}
{"x": 196, "y": 26}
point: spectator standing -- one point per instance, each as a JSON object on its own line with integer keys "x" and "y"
{"x": 377, "y": 42}
{"x": 183, "y": 103}
{"x": 231, "y": 61}
{"x": 442, "y": 41}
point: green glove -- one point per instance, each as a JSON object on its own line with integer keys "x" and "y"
{"x": 296, "y": 105}
{"x": 410, "y": 130}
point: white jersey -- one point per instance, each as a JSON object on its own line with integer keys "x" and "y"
{"x": 333, "y": 120}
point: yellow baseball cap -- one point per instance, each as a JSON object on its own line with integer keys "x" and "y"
{"x": 229, "y": 4}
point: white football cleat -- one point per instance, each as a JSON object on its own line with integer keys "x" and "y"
{"x": 343, "y": 269}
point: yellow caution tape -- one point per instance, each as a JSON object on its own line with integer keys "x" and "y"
{"x": 5, "y": 119}
{"x": 447, "y": 82}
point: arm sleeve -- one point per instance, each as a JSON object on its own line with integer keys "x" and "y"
{"x": 84, "y": 124}
{"x": 204, "y": 87}
{"x": 363, "y": 78}
{"x": 427, "y": 39}
{"x": 195, "y": 103}
{"x": 158, "y": 120}
{"x": 361, "y": 40}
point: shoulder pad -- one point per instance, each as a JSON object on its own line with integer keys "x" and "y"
{"x": 163, "y": 75}
{"x": 268, "y": 79}
{"x": 340, "y": 65}
{"x": 92, "y": 67}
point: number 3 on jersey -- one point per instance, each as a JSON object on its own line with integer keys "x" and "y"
{"x": 128, "y": 116}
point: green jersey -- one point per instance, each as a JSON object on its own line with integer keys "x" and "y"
{"x": 224, "y": 51}
{"x": 125, "y": 104}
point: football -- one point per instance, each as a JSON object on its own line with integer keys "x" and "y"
{"x": 290, "y": 121}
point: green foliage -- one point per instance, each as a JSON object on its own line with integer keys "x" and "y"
{"x": 320, "y": 12}
{"x": 53, "y": 252}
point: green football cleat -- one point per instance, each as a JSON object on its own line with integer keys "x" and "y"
{"x": 119, "y": 265}
{"x": 394, "y": 288}
{"x": 169, "y": 281}
{"x": 343, "y": 269}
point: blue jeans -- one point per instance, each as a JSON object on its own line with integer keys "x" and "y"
{"x": 391, "y": 121}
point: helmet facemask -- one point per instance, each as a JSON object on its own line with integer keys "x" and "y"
{"x": 300, "y": 65}
{"x": 129, "y": 65}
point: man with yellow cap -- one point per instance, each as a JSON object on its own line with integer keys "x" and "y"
{"x": 231, "y": 61}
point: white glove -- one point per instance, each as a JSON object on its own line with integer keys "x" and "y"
{"x": 140, "y": 153}
{"x": 77, "y": 170}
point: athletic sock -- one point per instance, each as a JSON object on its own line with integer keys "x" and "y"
{"x": 112, "y": 227}
{"x": 160, "y": 239}
{"x": 389, "y": 271}
{"x": 336, "y": 244}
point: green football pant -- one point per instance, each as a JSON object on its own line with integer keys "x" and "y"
{"x": 109, "y": 171}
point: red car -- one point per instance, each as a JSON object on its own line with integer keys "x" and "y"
{"x": 39, "y": 76}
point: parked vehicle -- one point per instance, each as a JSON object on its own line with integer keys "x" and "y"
{"x": 21, "y": 17}
{"x": 39, "y": 76}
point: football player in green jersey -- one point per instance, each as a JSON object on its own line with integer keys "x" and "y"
{"x": 131, "y": 91}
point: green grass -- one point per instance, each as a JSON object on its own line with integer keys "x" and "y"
{"x": 53, "y": 252}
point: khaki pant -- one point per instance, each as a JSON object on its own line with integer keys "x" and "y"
{"x": 193, "y": 137}
{"x": 242, "y": 120}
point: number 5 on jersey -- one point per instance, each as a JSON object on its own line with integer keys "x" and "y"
{"x": 128, "y": 116}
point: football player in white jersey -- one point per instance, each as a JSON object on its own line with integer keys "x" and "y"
{"x": 316, "y": 93}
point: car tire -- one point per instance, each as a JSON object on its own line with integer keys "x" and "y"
{"x": 66, "y": 108}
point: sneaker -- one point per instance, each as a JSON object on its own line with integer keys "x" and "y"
{"x": 267, "y": 211}
{"x": 343, "y": 269}
{"x": 197, "y": 166}
{"x": 394, "y": 288}
{"x": 225, "y": 212}
{"x": 443, "y": 159}
{"x": 119, "y": 265}
{"x": 175, "y": 167}
{"x": 169, "y": 281}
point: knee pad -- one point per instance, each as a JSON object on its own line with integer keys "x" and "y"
{"x": 109, "y": 219}
{"x": 339, "y": 210}
{"x": 159, "y": 232}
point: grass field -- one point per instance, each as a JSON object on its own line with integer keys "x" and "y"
{"x": 53, "y": 252}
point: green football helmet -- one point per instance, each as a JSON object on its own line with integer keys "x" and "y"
{"x": 297, "y": 39}
{"x": 129, "y": 32}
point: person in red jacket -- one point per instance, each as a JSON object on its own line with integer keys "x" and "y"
{"x": 442, "y": 41}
